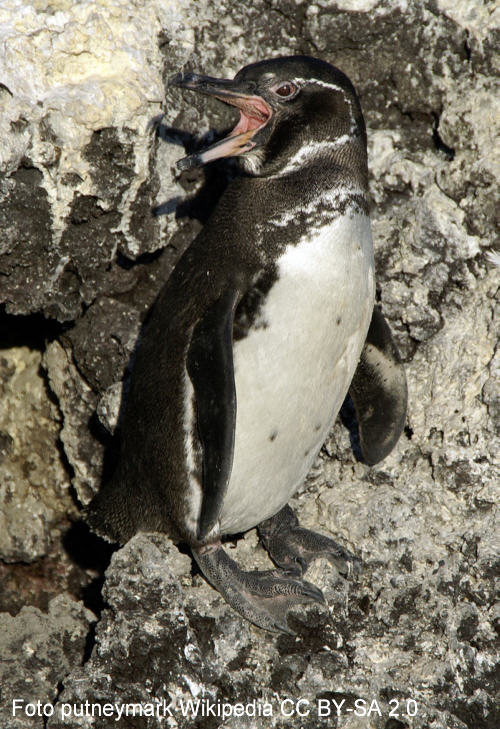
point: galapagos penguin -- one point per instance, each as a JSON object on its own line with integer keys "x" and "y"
{"x": 264, "y": 326}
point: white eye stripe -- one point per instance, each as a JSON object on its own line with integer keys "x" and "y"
{"x": 325, "y": 84}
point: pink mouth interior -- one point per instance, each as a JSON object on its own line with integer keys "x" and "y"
{"x": 254, "y": 113}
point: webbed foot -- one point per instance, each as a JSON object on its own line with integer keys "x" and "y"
{"x": 293, "y": 548}
{"x": 263, "y": 597}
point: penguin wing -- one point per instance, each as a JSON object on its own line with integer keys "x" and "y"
{"x": 379, "y": 392}
{"x": 210, "y": 368}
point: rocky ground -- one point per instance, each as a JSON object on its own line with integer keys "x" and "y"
{"x": 93, "y": 216}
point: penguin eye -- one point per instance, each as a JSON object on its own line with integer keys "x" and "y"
{"x": 286, "y": 89}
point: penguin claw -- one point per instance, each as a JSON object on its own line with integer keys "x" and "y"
{"x": 263, "y": 597}
{"x": 313, "y": 592}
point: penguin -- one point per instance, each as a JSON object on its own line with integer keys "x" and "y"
{"x": 264, "y": 326}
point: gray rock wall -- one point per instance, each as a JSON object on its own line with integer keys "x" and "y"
{"x": 84, "y": 161}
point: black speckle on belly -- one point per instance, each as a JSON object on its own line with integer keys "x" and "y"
{"x": 248, "y": 314}
{"x": 339, "y": 319}
{"x": 317, "y": 427}
{"x": 273, "y": 435}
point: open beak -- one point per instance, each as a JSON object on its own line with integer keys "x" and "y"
{"x": 255, "y": 113}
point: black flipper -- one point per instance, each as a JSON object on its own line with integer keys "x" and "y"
{"x": 210, "y": 367}
{"x": 379, "y": 392}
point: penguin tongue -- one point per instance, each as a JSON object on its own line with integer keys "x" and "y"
{"x": 254, "y": 115}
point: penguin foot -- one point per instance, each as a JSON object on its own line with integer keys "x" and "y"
{"x": 293, "y": 548}
{"x": 262, "y": 597}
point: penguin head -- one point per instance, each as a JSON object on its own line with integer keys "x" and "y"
{"x": 292, "y": 109}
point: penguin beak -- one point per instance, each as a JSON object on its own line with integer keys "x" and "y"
{"x": 255, "y": 113}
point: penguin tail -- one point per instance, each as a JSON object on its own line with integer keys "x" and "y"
{"x": 108, "y": 516}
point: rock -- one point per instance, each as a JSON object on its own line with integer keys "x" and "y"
{"x": 34, "y": 489}
{"x": 166, "y": 639}
{"x": 93, "y": 218}
{"x": 78, "y": 403}
{"x": 38, "y": 649}
{"x": 144, "y": 636}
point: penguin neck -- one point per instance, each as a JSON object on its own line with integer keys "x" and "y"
{"x": 297, "y": 205}
{"x": 341, "y": 157}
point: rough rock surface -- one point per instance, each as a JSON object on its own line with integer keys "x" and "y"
{"x": 38, "y": 650}
{"x": 32, "y": 473}
{"x": 85, "y": 160}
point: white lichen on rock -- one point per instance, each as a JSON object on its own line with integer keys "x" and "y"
{"x": 92, "y": 65}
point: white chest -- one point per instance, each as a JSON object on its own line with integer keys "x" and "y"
{"x": 293, "y": 372}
